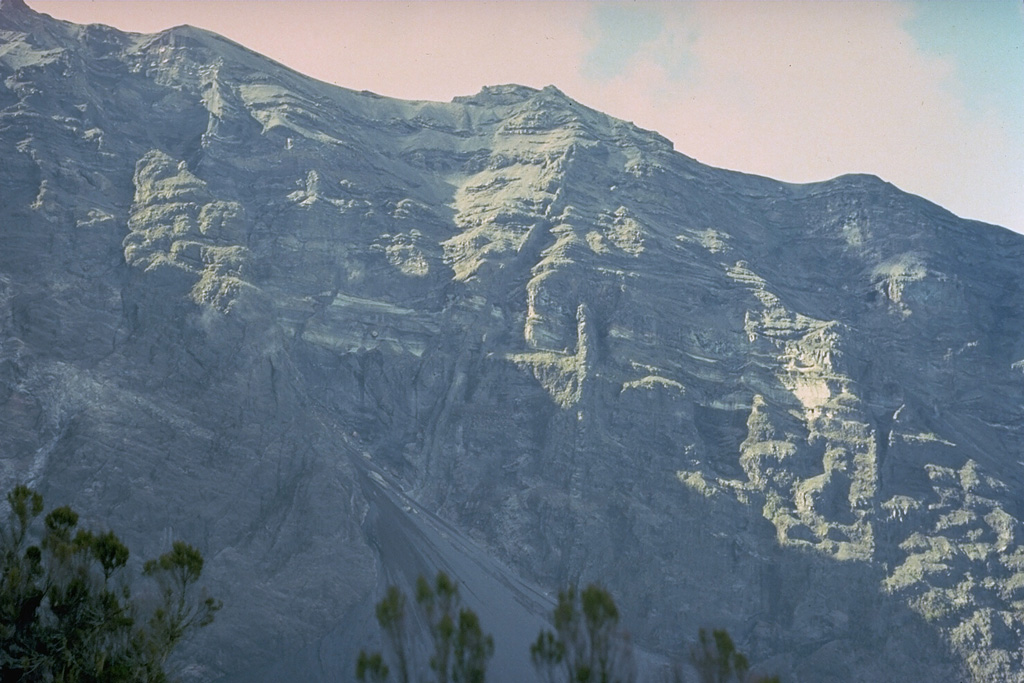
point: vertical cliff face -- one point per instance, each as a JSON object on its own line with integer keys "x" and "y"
{"x": 335, "y": 339}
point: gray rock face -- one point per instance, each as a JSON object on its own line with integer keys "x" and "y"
{"x": 335, "y": 339}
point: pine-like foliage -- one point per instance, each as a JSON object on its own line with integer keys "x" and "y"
{"x": 67, "y": 612}
{"x": 458, "y": 649}
{"x": 585, "y": 645}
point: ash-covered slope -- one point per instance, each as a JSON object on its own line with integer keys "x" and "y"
{"x": 336, "y": 339}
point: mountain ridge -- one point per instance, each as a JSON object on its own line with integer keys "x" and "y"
{"x": 334, "y": 339}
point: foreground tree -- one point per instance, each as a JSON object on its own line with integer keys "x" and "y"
{"x": 586, "y": 645}
{"x": 459, "y": 649}
{"x": 67, "y": 613}
{"x": 717, "y": 660}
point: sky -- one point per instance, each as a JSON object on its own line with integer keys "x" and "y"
{"x": 927, "y": 94}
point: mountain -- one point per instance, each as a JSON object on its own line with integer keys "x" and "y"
{"x": 335, "y": 339}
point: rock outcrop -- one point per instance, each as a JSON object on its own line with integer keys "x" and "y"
{"x": 335, "y": 339}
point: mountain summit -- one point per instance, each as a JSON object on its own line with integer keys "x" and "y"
{"x": 335, "y": 340}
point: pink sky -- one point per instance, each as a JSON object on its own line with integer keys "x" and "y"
{"x": 796, "y": 91}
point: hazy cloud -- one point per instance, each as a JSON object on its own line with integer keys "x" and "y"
{"x": 985, "y": 42}
{"x": 806, "y": 91}
{"x": 617, "y": 33}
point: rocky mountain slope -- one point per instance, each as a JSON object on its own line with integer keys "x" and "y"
{"x": 335, "y": 339}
